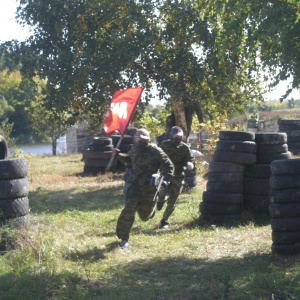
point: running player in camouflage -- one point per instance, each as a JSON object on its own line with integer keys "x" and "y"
{"x": 146, "y": 159}
{"x": 181, "y": 156}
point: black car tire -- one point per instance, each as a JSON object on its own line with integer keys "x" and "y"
{"x": 220, "y": 166}
{"x": 14, "y": 207}
{"x": 236, "y": 135}
{"x": 271, "y": 138}
{"x": 285, "y": 167}
{"x": 221, "y": 198}
{"x": 13, "y": 168}
{"x": 3, "y": 147}
{"x": 13, "y": 188}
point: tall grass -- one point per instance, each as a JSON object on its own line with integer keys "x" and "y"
{"x": 70, "y": 251}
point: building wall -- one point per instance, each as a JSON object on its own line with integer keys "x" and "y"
{"x": 77, "y": 139}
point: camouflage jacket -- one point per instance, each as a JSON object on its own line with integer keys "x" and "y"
{"x": 180, "y": 155}
{"x": 147, "y": 162}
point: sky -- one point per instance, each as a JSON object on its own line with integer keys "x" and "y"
{"x": 10, "y": 29}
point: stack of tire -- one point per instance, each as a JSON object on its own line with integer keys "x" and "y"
{"x": 270, "y": 146}
{"x": 256, "y": 189}
{"x": 285, "y": 206}
{"x": 14, "y": 203}
{"x": 292, "y": 128}
{"x": 223, "y": 199}
{"x": 99, "y": 153}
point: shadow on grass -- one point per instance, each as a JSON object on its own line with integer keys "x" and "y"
{"x": 71, "y": 199}
{"x": 255, "y": 276}
{"x": 196, "y": 223}
{"x": 259, "y": 220}
{"x": 92, "y": 255}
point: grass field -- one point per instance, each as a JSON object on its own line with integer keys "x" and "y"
{"x": 70, "y": 251}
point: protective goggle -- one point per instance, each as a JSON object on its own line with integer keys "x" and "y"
{"x": 137, "y": 139}
{"x": 176, "y": 137}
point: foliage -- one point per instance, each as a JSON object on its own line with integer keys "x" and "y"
{"x": 154, "y": 119}
{"x": 5, "y": 130}
{"x": 6, "y": 109}
{"x": 189, "y": 64}
{"x": 150, "y": 122}
{"x": 272, "y": 29}
{"x": 202, "y": 56}
{"x": 28, "y": 114}
{"x": 79, "y": 46}
{"x": 49, "y": 122}
{"x": 18, "y": 94}
{"x": 212, "y": 127}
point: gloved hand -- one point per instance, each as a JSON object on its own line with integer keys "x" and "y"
{"x": 164, "y": 184}
{"x": 190, "y": 166}
{"x": 115, "y": 152}
{"x": 168, "y": 178}
{"x": 163, "y": 191}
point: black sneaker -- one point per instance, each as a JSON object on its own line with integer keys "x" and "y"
{"x": 163, "y": 224}
{"x": 123, "y": 245}
{"x": 160, "y": 204}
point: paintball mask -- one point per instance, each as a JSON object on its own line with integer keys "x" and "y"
{"x": 176, "y": 135}
{"x": 141, "y": 138}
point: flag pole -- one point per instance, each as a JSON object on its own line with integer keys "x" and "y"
{"x": 113, "y": 155}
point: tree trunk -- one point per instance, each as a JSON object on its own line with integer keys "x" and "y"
{"x": 54, "y": 144}
{"x": 179, "y": 114}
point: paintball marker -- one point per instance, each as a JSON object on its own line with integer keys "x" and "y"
{"x": 160, "y": 182}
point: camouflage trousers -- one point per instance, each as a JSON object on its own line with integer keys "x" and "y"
{"x": 175, "y": 189}
{"x": 138, "y": 198}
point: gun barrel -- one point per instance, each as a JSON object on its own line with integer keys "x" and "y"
{"x": 158, "y": 187}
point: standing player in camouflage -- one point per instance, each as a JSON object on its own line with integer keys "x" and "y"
{"x": 146, "y": 159}
{"x": 181, "y": 156}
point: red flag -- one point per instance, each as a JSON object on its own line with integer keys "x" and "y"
{"x": 121, "y": 110}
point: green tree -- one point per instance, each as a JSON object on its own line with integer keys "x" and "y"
{"x": 18, "y": 93}
{"x": 272, "y": 30}
{"x": 83, "y": 48}
{"x": 26, "y": 114}
{"x": 48, "y": 122}
{"x": 45, "y": 121}
{"x": 10, "y": 93}
{"x": 5, "y": 111}
{"x": 154, "y": 119}
{"x": 89, "y": 49}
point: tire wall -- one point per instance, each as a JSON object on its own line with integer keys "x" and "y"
{"x": 223, "y": 198}
{"x": 241, "y": 171}
{"x": 270, "y": 146}
{"x": 285, "y": 206}
{"x": 292, "y": 128}
{"x": 14, "y": 189}
{"x": 99, "y": 152}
